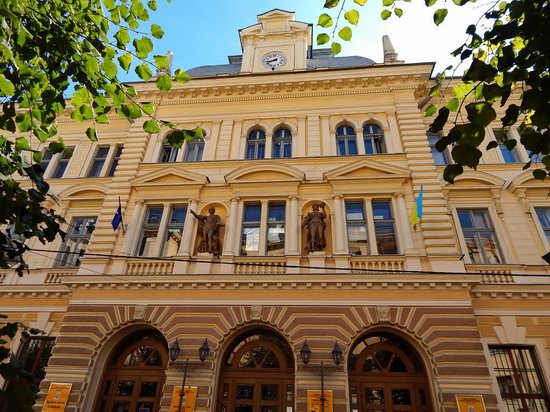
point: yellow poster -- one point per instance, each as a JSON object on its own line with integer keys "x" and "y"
{"x": 314, "y": 401}
{"x": 57, "y": 397}
{"x": 188, "y": 401}
{"x": 470, "y": 403}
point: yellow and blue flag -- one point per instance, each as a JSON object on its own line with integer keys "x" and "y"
{"x": 416, "y": 214}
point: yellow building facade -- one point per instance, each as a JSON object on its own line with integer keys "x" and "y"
{"x": 458, "y": 305}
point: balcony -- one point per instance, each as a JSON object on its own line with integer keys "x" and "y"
{"x": 149, "y": 267}
{"x": 260, "y": 265}
{"x": 378, "y": 263}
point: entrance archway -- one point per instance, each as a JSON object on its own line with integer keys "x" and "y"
{"x": 257, "y": 374}
{"x": 386, "y": 374}
{"x": 134, "y": 375}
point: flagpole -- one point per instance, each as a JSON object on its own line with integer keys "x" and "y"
{"x": 121, "y": 219}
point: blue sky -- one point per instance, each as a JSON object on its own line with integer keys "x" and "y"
{"x": 206, "y": 31}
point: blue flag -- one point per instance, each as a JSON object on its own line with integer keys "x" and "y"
{"x": 117, "y": 218}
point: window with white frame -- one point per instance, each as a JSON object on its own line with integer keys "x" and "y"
{"x": 263, "y": 229}
{"x": 194, "y": 150}
{"x": 346, "y": 141}
{"x": 440, "y": 158}
{"x": 356, "y": 222}
{"x": 479, "y": 236}
{"x": 543, "y": 214}
{"x": 63, "y": 162}
{"x": 76, "y": 241}
{"x": 508, "y": 155}
{"x": 168, "y": 153}
{"x": 99, "y": 161}
{"x": 158, "y": 238}
{"x": 255, "y": 144}
{"x": 282, "y": 143}
{"x": 374, "y": 139}
{"x": 116, "y": 158}
{"x": 46, "y": 160}
{"x": 519, "y": 377}
{"x": 384, "y": 227}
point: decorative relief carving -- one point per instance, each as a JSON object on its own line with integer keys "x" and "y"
{"x": 256, "y": 312}
{"x": 383, "y": 313}
{"x": 421, "y": 91}
{"x": 139, "y": 312}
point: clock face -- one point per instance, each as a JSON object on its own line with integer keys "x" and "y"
{"x": 273, "y": 60}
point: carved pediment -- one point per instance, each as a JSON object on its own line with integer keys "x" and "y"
{"x": 265, "y": 172}
{"x": 476, "y": 180}
{"x": 86, "y": 191}
{"x": 367, "y": 169}
{"x": 170, "y": 178}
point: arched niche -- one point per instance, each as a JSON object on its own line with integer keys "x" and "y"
{"x": 221, "y": 211}
{"x": 307, "y": 207}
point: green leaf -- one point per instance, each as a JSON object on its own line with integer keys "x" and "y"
{"x": 181, "y": 76}
{"x": 491, "y": 92}
{"x": 439, "y": 122}
{"x": 451, "y": 172}
{"x": 352, "y": 16}
{"x": 453, "y": 104}
{"x": 430, "y": 3}
{"x": 80, "y": 97}
{"x": 510, "y": 144}
{"x": 6, "y": 87}
{"x": 345, "y": 33}
{"x": 143, "y": 46}
{"x": 430, "y": 110}
{"x": 466, "y": 155}
{"x": 546, "y": 161}
{"x": 481, "y": 113}
{"x": 132, "y": 110}
{"x": 539, "y": 174}
{"x": 336, "y": 48}
{"x": 125, "y": 61}
{"x": 468, "y": 134}
{"x": 360, "y": 2}
{"x": 143, "y": 71}
{"x": 92, "y": 134}
{"x": 176, "y": 138}
{"x": 162, "y": 62}
{"x": 156, "y": 31}
{"x": 24, "y": 122}
{"x": 434, "y": 91}
{"x": 151, "y": 126}
{"x": 398, "y": 12}
{"x": 21, "y": 143}
{"x": 109, "y": 68}
{"x": 440, "y": 15}
{"x": 492, "y": 144}
{"x": 479, "y": 71}
{"x": 164, "y": 82}
{"x": 152, "y": 4}
{"x": 329, "y": 4}
{"x": 386, "y": 14}
{"x": 148, "y": 108}
{"x": 325, "y": 20}
{"x": 322, "y": 38}
{"x": 387, "y": 3}
{"x": 123, "y": 37}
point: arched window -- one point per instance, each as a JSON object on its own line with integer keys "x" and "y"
{"x": 255, "y": 144}
{"x": 194, "y": 149}
{"x": 374, "y": 139}
{"x": 257, "y": 374}
{"x": 386, "y": 373}
{"x": 135, "y": 374}
{"x": 346, "y": 143}
{"x": 282, "y": 143}
{"x": 168, "y": 153}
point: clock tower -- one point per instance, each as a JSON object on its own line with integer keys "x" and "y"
{"x": 276, "y": 43}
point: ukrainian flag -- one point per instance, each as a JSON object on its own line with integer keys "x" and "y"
{"x": 416, "y": 214}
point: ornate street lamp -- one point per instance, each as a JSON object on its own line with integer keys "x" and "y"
{"x": 175, "y": 349}
{"x": 305, "y": 354}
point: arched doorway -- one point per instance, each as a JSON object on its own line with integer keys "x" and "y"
{"x": 134, "y": 375}
{"x": 386, "y": 374}
{"x": 257, "y": 374}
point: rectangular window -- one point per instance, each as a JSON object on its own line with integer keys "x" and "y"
{"x": 479, "y": 236}
{"x": 116, "y": 159}
{"x": 174, "y": 231}
{"x": 46, "y": 159}
{"x": 384, "y": 227}
{"x": 99, "y": 161}
{"x": 519, "y": 378}
{"x": 34, "y": 355}
{"x": 149, "y": 234}
{"x": 76, "y": 241}
{"x": 543, "y": 214}
{"x": 440, "y": 158}
{"x": 194, "y": 150}
{"x": 169, "y": 153}
{"x": 63, "y": 162}
{"x": 250, "y": 236}
{"x": 276, "y": 230}
{"x": 356, "y": 223}
{"x": 509, "y": 156}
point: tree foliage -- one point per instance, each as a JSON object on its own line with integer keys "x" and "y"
{"x": 508, "y": 53}
{"x": 50, "y": 48}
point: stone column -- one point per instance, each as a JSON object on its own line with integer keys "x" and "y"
{"x": 231, "y": 227}
{"x": 162, "y": 229}
{"x": 188, "y": 229}
{"x": 405, "y": 232}
{"x": 373, "y": 247}
{"x": 133, "y": 228}
{"x": 293, "y": 227}
{"x": 339, "y": 225}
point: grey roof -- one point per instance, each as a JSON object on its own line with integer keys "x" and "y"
{"x": 321, "y": 58}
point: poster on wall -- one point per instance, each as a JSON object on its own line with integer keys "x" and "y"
{"x": 189, "y": 401}
{"x": 470, "y": 403}
{"x": 314, "y": 401}
{"x": 57, "y": 397}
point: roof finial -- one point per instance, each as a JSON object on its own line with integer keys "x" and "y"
{"x": 390, "y": 56}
